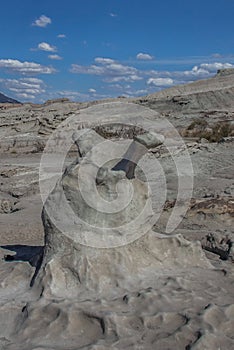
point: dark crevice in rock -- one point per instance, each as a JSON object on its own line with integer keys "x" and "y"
{"x": 32, "y": 254}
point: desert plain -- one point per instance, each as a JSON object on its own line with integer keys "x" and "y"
{"x": 162, "y": 289}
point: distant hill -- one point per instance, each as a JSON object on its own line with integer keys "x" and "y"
{"x": 5, "y": 99}
{"x": 216, "y": 93}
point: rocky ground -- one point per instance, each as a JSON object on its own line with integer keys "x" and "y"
{"x": 173, "y": 292}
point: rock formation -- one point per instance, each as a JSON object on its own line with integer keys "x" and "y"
{"x": 128, "y": 286}
{"x": 94, "y": 242}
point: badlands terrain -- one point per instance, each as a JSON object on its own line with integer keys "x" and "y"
{"x": 127, "y": 281}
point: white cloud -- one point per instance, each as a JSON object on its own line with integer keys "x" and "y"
{"x": 73, "y": 95}
{"x": 213, "y": 67}
{"x": 197, "y": 72}
{"x": 32, "y": 80}
{"x": 161, "y": 82}
{"x": 131, "y": 78}
{"x": 103, "y": 60}
{"x": 61, "y": 36}
{"x": 92, "y": 70}
{"x": 168, "y": 78}
{"x": 202, "y": 71}
{"x": 24, "y": 88}
{"x": 79, "y": 96}
{"x": 42, "y": 21}
{"x": 216, "y": 55}
{"x": 127, "y": 90}
{"x": 132, "y": 93}
{"x": 92, "y": 91}
{"x": 55, "y": 57}
{"x": 16, "y": 66}
{"x": 76, "y": 95}
{"x": 112, "y": 14}
{"x": 144, "y": 56}
{"x": 109, "y": 69}
{"x": 46, "y": 47}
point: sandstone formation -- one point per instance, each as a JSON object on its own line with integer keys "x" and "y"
{"x": 65, "y": 283}
{"x": 97, "y": 249}
{"x": 26, "y": 128}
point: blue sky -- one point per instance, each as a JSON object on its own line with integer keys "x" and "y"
{"x": 96, "y": 49}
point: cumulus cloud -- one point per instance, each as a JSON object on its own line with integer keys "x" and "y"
{"x": 24, "y": 88}
{"x": 127, "y": 90}
{"x": 144, "y": 56}
{"x": 197, "y": 72}
{"x": 91, "y": 70}
{"x": 161, "y": 82}
{"x": 79, "y": 96}
{"x": 134, "y": 93}
{"x": 73, "y": 95}
{"x": 213, "y": 67}
{"x": 16, "y": 66}
{"x": 42, "y": 21}
{"x": 109, "y": 69}
{"x": 202, "y": 71}
{"x": 92, "y": 91}
{"x": 112, "y": 14}
{"x": 103, "y": 60}
{"x": 55, "y": 57}
{"x": 46, "y": 47}
{"x": 131, "y": 79}
{"x": 61, "y": 36}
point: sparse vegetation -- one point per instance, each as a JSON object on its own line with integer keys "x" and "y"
{"x": 219, "y": 130}
{"x": 213, "y": 133}
{"x": 118, "y": 130}
{"x": 198, "y": 123}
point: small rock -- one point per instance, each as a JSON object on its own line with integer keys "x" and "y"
{"x": 203, "y": 140}
{"x": 150, "y": 139}
{"x": 227, "y": 191}
{"x": 6, "y": 207}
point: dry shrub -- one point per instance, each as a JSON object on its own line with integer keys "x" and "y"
{"x": 198, "y": 124}
{"x": 219, "y": 131}
{"x": 215, "y": 133}
{"x": 118, "y": 130}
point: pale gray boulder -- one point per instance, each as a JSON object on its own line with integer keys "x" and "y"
{"x": 150, "y": 139}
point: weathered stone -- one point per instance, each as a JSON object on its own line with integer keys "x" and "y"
{"x": 150, "y": 139}
{"x": 90, "y": 249}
